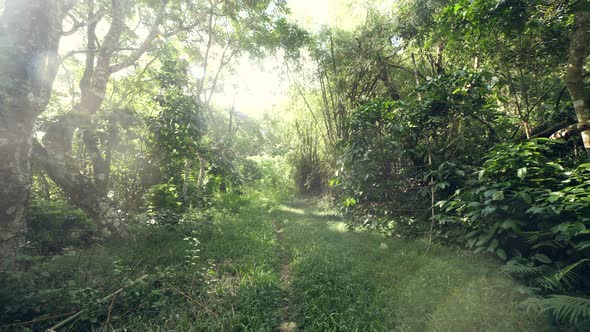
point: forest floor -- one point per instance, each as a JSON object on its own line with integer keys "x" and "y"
{"x": 345, "y": 281}
{"x": 263, "y": 266}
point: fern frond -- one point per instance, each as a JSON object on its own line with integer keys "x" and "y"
{"x": 522, "y": 270}
{"x": 567, "y": 274}
{"x": 563, "y": 307}
{"x": 536, "y": 236}
{"x": 548, "y": 243}
{"x": 562, "y": 278}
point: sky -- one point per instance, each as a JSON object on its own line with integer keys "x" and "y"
{"x": 263, "y": 88}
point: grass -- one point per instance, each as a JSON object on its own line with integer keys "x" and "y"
{"x": 222, "y": 272}
{"x": 229, "y": 280}
{"x": 362, "y": 282}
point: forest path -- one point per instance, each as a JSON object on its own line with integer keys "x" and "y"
{"x": 334, "y": 279}
{"x": 287, "y": 325}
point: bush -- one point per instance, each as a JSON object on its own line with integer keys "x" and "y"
{"x": 57, "y": 225}
{"x": 525, "y": 201}
{"x": 530, "y": 207}
{"x": 163, "y": 197}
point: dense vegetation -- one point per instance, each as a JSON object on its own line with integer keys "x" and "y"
{"x": 442, "y": 147}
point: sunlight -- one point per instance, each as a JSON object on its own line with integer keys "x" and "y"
{"x": 338, "y": 226}
{"x": 257, "y": 88}
{"x": 285, "y": 208}
{"x": 197, "y": 71}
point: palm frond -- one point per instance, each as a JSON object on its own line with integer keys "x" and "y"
{"x": 536, "y": 236}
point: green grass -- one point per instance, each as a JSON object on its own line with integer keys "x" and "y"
{"x": 347, "y": 281}
{"x": 233, "y": 284}
{"x": 231, "y": 280}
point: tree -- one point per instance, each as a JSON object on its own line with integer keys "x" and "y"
{"x": 578, "y": 51}
{"x": 103, "y": 59}
{"x": 30, "y": 33}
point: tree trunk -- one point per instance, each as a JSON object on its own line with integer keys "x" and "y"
{"x": 65, "y": 172}
{"x": 186, "y": 182}
{"x": 202, "y": 172}
{"x": 29, "y": 35}
{"x": 578, "y": 50}
{"x": 91, "y": 194}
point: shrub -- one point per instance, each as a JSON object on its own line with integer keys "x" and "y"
{"x": 163, "y": 197}
{"x": 57, "y": 225}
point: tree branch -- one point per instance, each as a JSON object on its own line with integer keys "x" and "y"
{"x": 77, "y": 24}
{"x": 569, "y": 131}
{"x": 154, "y": 31}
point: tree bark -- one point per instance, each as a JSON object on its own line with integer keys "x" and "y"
{"x": 186, "y": 181}
{"x": 202, "y": 171}
{"x": 30, "y": 31}
{"x": 65, "y": 172}
{"x": 578, "y": 50}
{"x": 91, "y": 194}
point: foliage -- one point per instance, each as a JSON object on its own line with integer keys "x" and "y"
{"x": 565, "y": 308}
{"x": 211, "y": 271}
{"x": 55, "y": 226}
{"x": 163, "y": 197}
{"x": 524, "y": 202}
{"x": 180, "y": 124}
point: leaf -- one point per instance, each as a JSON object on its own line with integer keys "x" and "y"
{"x": 521, "y": 172}
{"x": 498, "y": 195}
{"x": 509, "y": 224}
{"x": 490, "y": 192}
{"x": 501, "y": 253}
{"x": 493, "y": 245}
{"x": 481, "y": 174}
{"x": 554, "y": 196}
{"x": 525, "y": 197}
{"x": 542, "y": 258}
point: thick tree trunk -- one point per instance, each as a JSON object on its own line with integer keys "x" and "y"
{"x": 578, "y": 50}
{"x": 29, "y": 36}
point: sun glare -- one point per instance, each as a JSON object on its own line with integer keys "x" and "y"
{"x": 197, "y": 71}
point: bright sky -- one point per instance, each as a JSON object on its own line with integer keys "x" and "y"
{"x": 263, "y": 88}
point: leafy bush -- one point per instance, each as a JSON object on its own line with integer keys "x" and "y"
{"x": 57, "y": 225}
{"x": 531, "y": 207}
{"x": 163, "y": 197}
{"x": 524, "y": 202}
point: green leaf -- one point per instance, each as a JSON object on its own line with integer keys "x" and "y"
{"x": 542, "y": 258}
{"x": 481, "y": 174}
{"x": 498, "y": 196}
{"x": 509, "y": 224}
{"x": 521, "y": 173}
{"x": 525, "y": 197}
{"x": 501, "y": 253}
{"x": 490, "y": 192}
{"x": 493, "y": 245}
{"x": 554, "y": 196}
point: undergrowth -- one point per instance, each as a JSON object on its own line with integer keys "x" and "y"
{"x": 219, "y": 269}
{"x": 214, "y": 270}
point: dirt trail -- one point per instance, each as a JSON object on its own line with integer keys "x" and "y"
{"x": 287, "y": 325}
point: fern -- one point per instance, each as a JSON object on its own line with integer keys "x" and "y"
{"x": 567, "y": 275}
{"x": 522, "y": 270}
{"x": 563, "y": 307}
{"x": 537, "y": 236}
